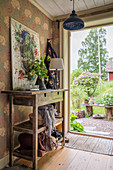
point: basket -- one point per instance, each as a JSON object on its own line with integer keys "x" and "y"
{"x": 40, "y": 120}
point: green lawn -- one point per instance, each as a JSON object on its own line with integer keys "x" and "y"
{"x": 96, "y": 110}
{"x": 107, "y": 87}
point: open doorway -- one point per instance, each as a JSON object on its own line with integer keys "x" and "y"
{"x": 91, "y": 51}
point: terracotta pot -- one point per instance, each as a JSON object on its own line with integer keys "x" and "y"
{"x": 86, "y": 101}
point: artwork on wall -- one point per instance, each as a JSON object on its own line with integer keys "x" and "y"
{"x": 25, "y": 48}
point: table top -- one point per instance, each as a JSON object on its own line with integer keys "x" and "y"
{"x": 33, "y": 92}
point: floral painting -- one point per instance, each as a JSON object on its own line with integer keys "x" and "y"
{"x": 25, "y": 48}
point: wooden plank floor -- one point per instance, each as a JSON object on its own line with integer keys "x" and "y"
{"x": 81, "y": 153}
{"x": 91, "y": 144}
{"x": 72, "y": 159}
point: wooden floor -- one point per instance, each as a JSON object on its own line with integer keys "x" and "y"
{"x": 90, "y": 144}
{"x": 72, "y": 159}
{"x": 78, "y": 154}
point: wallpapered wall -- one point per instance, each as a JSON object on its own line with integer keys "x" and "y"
{"x": 26, "y": 13}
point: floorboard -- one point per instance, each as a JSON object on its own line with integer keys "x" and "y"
{"x": 90, "y": 144}
{"x": 72, "y": 159}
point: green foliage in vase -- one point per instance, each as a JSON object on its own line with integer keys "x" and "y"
{"x": 38, "y": 68}
{"x": 76, "y": 126}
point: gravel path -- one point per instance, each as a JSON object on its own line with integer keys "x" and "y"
{"x": 98, "y": 126}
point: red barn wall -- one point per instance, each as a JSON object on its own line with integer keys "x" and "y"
{"x": 110, "y": 76}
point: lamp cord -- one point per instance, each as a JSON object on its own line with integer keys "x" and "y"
{"x": 73, "y": 4}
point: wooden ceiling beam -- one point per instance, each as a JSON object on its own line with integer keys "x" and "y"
{"x": 82, "y": 14}
{"x": 89, "y": 12}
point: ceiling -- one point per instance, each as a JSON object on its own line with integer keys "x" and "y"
{"x": 62, "y": 7}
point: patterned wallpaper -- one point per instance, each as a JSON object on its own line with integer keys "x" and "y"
{"x": 26, "y": 13}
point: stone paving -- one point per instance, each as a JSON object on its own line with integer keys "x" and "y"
{"x": 97, "y": 126}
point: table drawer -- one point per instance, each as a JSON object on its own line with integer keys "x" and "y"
{"x": 45, "y": 98}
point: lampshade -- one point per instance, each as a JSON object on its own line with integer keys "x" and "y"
{"x": 56, "y": 64}
{"x": 73, "y": 22}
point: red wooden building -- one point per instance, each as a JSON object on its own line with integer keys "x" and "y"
{"x": 109, "y": 69}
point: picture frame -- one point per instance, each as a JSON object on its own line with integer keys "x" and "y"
{"x": 25, "y": 47}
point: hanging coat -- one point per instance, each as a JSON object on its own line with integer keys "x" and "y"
{"x": 52, "y": 79}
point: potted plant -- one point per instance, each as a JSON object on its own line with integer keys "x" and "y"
{"x": 86, "y": 101}
{"x": 38, "y": 69}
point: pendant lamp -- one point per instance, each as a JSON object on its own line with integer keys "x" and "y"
{"x": 73, "y": 22}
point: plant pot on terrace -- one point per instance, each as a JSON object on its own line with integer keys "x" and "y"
{"x": 86, "y": 101}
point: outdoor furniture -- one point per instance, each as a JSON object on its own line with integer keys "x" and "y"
{"x": 108, "y": 110}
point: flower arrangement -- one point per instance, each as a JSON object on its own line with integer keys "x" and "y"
{"x": 37, "y": 68}
{"x": 88, "y": 82}
{"x": 108, "y": 99}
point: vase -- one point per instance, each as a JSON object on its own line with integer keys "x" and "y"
{"x": 41, "y": 84}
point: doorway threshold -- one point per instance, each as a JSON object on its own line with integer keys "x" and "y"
{"x": 90, "y": 144}
{"x": 91, "y": 135}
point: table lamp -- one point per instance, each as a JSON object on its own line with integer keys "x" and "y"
{"x": 56, "y": 64}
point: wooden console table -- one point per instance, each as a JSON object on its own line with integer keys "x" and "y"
{"x": 108, "y": 110}
{"x": 34, "y": 99}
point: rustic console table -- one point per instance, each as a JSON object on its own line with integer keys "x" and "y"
{"x": 34, "y": 99}
{"x": 108, "y": 109}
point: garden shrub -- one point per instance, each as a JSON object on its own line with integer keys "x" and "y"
{"x": 88, "y": 82}
{"x": 77, "y": 97}
{"x": 108, "y": 99}
{"x": 76, "y": 126}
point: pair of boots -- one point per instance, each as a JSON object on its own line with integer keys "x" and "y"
{"x": 26, "y": 144}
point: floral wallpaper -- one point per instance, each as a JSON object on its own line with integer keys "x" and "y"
{"x": 24, "y": 12}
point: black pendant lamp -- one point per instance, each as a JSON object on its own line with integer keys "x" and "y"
{"x": 73, "y": 22}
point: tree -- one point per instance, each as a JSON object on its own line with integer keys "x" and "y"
{"x": 89, "y": 59}
{"x": 88, "y": 82}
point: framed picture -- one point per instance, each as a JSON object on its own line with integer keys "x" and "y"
{"x": 25, "y": 48}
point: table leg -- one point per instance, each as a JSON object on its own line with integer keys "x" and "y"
{"x": 89, "y": 110}
{"x": 108, "y": 113}
{"x": 35, "y": 135}
{"x": 11, "y": 145}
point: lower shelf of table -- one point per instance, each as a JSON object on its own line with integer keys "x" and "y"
{"x": 17, "y": 153}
